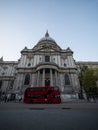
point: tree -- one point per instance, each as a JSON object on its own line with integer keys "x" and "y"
{"x": 83, "y": 69}
{"x": 96, "y": 73}
{"x": 89, "y": 80}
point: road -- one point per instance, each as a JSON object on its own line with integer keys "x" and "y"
{"x": 66, "y": 116}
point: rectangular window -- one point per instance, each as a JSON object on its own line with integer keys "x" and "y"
{"x": 47, "y": 58}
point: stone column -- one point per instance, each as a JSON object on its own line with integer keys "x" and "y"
{"x": 56, "y": 79}
{"x": 38, "y": 78}
{"x": 43, "y": 80}
{"x": 51, "y": 78}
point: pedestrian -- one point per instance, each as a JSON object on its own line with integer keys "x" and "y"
{"x": 8, "y": 97}
{"x": 20, "y": 98}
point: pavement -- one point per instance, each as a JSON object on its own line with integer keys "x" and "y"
{"x": 64, "y": 116}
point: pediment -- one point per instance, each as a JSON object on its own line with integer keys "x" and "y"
{"x": 47, "y": 48}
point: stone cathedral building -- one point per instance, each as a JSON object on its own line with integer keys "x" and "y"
{"x": 46, "y": 64}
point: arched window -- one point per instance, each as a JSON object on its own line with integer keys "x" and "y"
{"x": 11, "y": 84}
{"x": 27, "y": 79}
{"x": 67, "y": 80}
{"x": 29, "y": 65}
{"x": 64, "y": 64}
{"x": 0, "y": 84}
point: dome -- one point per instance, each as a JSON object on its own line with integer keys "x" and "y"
{"x": 46, "y": 38}
{"x": 46, "y": 41}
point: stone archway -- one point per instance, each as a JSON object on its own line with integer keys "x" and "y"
{"x": 47, "y": 82}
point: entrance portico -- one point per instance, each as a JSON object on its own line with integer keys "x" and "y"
{"x": 47, "y": 77}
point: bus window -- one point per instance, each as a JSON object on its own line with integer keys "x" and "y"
{"x": 56, "y": 88}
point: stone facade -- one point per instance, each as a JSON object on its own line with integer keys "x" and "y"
{"x": 46, "y": 64}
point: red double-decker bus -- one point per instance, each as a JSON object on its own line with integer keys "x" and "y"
{"x": 42, "y": 95}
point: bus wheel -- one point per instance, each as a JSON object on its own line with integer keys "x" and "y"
{"x": 50, "y": 102}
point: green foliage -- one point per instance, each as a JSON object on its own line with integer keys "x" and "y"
{"x": 89, "y": 79}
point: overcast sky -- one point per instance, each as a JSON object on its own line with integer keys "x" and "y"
{"x": 71, "y": 23}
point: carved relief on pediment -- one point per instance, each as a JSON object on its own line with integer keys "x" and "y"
{"x": 30, "y": 56}
{"x": 64, "y": 56}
